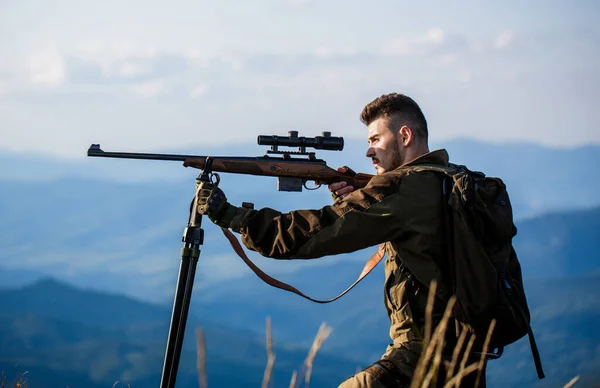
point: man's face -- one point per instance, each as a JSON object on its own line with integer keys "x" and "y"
{"x": 384, "y": 147}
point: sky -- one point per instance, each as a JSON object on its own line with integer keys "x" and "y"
{"x": 149, "y": 76}
{"x": 154, "y": 76}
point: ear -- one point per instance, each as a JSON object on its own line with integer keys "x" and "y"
{"x": 406, "y": 136}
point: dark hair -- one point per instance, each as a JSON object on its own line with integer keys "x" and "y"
{"x": 402, "y": 109}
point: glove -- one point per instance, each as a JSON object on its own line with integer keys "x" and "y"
{"x": 213, "y": 203}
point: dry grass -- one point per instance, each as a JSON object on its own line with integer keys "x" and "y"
{"x": 322, "y": 334}
{"x": 572, "y": 382}
{"x": 21, "y": 381}
{"x": 270, "y": 355}
{"x": 201, "y": 358}
{"x": 427, "y": 371}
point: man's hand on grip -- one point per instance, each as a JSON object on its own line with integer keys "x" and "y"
{"x": 340, "y": 190}
{"x": 213, "y": 203}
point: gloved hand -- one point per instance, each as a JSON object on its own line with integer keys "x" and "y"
{"x": 213, "y": 203}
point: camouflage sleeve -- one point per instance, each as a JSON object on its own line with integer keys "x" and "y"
{"x": 364, "y": 218}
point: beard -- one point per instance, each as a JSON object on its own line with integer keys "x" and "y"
{"x": 397, "y": 158}
{"x": 393, "y": 160}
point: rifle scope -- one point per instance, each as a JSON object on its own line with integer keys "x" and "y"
{"x": 325, "y": 142}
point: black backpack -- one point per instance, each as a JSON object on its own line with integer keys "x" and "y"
{"x": 487, "y": 279}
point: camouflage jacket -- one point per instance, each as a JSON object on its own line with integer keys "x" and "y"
{"x": 400, "y": 208}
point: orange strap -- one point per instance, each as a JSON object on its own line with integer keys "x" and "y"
{"x": 235, "y": 244}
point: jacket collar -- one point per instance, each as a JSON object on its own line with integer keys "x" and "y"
{"x": 437, "y": 157}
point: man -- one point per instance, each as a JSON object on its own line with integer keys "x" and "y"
{"x": 399, "y": 208}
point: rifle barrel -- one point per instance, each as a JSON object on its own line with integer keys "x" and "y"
{"x": 95, "y": 150}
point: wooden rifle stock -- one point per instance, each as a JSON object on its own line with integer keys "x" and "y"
{"x": 306, "y": 170}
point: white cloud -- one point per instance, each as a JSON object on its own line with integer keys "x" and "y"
{"x": 446, "y": 60}
{"x": 3, "y": 88}
{"x": 148, "y": 89}
{"x": 414, "y": 44}
{"x": 504, "y": 39}
{"x": 300, "y": 3}
{"x": 199, "y": 57}
{"x": 328, "y": 52}
{"x": 308, "y": 67}
{"x": 199, "y": 91}
{"x": 46, "y": 67}
{"x": 464, "y": 76}
{"x": 132, "y": 69}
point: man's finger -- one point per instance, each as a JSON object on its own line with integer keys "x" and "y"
{"x": 345, "y": 191}
{"x": 337, "y": 186}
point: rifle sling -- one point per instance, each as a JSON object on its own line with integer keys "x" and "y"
{"x": 235, "y": 244}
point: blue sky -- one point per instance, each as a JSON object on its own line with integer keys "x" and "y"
{"x": 148, "y": 75}
{"x": 158, "y": 77}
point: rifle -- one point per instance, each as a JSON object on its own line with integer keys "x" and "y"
{"x": 293, "y": 169}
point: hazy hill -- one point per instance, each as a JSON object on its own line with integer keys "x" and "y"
{"x": 116, "y": 225}
{"x": 114, "y": 337}
{"x": 64, "y": 336}
{"x": 59, "y": 348}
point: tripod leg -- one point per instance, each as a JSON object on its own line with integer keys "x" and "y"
{"x": 187, "y": 270}
{"x": 193, "y": 237}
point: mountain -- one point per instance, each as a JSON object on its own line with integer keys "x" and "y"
{"x": 116, "y": 225}
{"x": 570, "y": 238}
{"x": 112, "y": 230}
{"x": 528, "y": 169}
{"x": 63, "y": 345}
{"x": 63, "y": 335}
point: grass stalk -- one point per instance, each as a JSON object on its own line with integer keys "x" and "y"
{"x": 426, "y": 355}
{"x": 456, "y": 353}
{"x": 429, "y": 312}
{"x": 293, "y": 380}
{"x": 201, "y": 358}
{"x": 463, "y": 362}
{"x": 322, "y": 334}
{"x": 486, "y": 345}
{"x": 270, "y": 355}
{"x": 572, "y": 382}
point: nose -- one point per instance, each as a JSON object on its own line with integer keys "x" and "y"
{"x": 370, "y": 152}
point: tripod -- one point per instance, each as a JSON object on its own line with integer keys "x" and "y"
{"x": 193, "y": 237}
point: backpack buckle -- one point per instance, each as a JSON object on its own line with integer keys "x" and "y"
{"x": 493, "y": 355}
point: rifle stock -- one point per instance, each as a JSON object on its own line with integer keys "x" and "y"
{"x": 299, "y": 169}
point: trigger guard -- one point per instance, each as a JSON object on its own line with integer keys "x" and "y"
{"x": 215, "y": 176}
{"x": 314, "y": 188}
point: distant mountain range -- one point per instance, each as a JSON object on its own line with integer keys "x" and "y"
{"x": 71, "y": 231}
{"x": 540, "y": 179}
{"x": 116, "y": 224}
{"x": 65, "y": 336}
